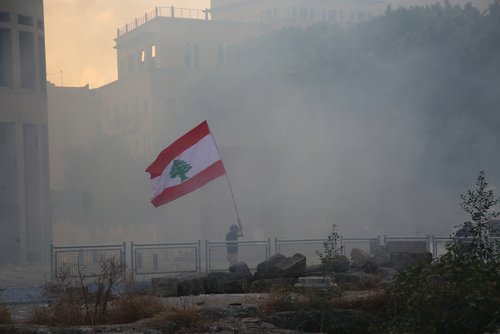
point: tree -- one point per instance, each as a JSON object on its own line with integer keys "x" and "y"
{"x": 475, "y": 241}
{"x": 179, "y": 169}
{"x": 458, "y": 292}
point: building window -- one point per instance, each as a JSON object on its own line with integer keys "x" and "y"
{"x": 269, "y": 14}
{"x": 131, "y": 63}
{"x": 4, "y": 127}
{"x": 196, "y": 55}
{"x": 153, "y": 51}
{"x": 360, "y": 16}
{"x": 229, "y": 53}
{"x": 332, "y": 15}
{"x": 41, "y": 59}
{"x": 220, "y": 54}
{"x": 27, "y": 59}
{"x": 5, "y": 58}
{"x": 4, "y": 17}
{"x": 143, "y": 56}
{"x": 303, "y": 13}
{"x": 39, "y": 24}
{"x": 188, "y": 55}
{"x": 25, "y": 20}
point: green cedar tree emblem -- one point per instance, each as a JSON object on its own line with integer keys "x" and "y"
{"x": 179, "y": 168}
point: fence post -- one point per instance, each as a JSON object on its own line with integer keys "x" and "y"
{"x": 52, "y": 260}
{"x": 430, "y": 245}
{"x": 172, "y": 11}
{"x": 342, "y": 245}
{"x": 206, "y": 256}
{"x": 132, "y": 262}
{"x": 268, "y": 252}
{"x": 198, "y": 257}
{"x": 123, "y": 256}
{"x": 276, "y": 247}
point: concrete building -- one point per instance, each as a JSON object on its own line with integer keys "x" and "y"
{"x": 25, "y": 219}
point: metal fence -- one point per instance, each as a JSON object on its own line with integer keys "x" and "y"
{"x": 408, "y": 244}
{"x": 365, "y": 244}
{"x": 250, "y": 252}
{"x": 172, "y": 12}
{"x": 306, "y": 247}
{"x": 165, "y": 258}
{"x": 76, "y": 261}
{"x": 439, "y": 246}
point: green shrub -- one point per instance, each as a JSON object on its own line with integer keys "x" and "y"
{"x": 459, "y": 292}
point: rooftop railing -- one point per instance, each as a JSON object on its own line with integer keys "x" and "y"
{"x": 173, "y": 12}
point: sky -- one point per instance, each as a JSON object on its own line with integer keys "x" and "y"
{"x": 79, "y": 36}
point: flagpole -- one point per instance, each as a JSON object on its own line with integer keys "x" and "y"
{"x": 229, "y": 184}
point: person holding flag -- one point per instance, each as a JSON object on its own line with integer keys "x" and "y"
{"x": 189, "y": 163}
{"x": 232, "y": 236}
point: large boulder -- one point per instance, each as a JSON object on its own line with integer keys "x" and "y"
{"x": 278, "y": 266}
{"x": 270, "y": 284}
{"x": 165, "y": 286}
{"x": 356, "y": 280}
{"x": 336, "y": 264}
{"x": 404, "y": 260}
{"x": 192, "y": 286}
{"x": 380, "y": 256}
{"x": 359, "y": 257}
{"x": 236, "y": 286}
{"x": 215, "y": 281}
{"x": 241, "y": 271}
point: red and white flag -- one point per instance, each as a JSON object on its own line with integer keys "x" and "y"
{"x": 188, "y": 164}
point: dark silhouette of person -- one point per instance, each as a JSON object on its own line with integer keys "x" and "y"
{"x": 232, "y": 236}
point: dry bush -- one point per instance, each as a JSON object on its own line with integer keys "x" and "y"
{"x": 132, "y": 307}
{"x": 282, "y": 300}
{"x": 59, "y": 313}
{"x": 5, "y": 315}
{"x": 80, "y": 298}
{"x": 373, "y": 303}
{"x": 186, "y": 316}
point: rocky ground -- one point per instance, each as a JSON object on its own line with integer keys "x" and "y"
{"x": 239, "y": 313}
{"x": 231, "y": 302}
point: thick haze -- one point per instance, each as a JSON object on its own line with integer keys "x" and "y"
{"x": 377, "y": 128}
{"x": 80, "y": 36}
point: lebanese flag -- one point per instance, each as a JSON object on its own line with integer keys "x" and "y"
{"x": 188, "y": 164}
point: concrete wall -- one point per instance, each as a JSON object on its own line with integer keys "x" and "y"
{"x": 25, "y": 219}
